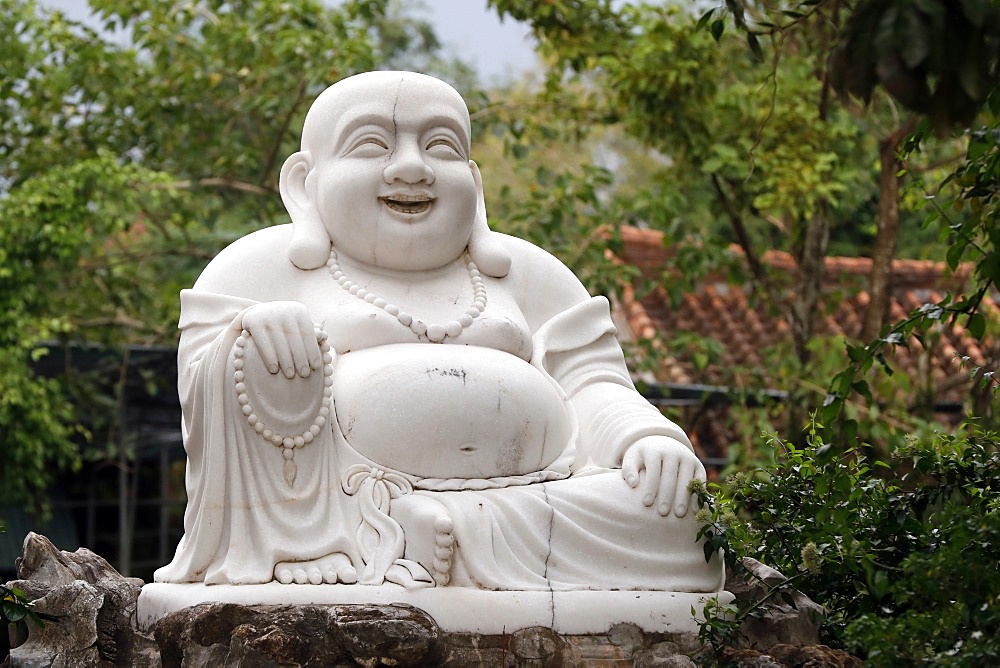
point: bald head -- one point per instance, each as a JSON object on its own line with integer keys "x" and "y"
{"x": 370, "y": 95}
{"x": 370, "y": 145}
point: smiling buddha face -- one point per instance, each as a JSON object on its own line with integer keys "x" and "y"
{"x": 386, "y": 170}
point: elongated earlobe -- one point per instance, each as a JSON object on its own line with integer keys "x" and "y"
{"x": 484, "y": 245}
{"x": 310, "y": 245}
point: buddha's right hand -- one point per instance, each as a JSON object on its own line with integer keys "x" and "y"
{"x": 285, "y": 337}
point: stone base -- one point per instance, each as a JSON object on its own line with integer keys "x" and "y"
{"x": 456, "y": 609}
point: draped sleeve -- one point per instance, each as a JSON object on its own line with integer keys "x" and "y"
{"x": 242, "y": 516}
{"x": 578, "y": 349}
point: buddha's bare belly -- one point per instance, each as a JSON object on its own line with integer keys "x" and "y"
{"x": 449, "y": 411}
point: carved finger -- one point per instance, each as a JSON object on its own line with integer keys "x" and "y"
{"x": 283, "y": 350}
{"x": 299, "y": 575}
{"x": 330, "y": 575}
{"x": 683, "y": 499}
{"x": 650, "y": 484}
{"x": 299, "y": 362}
{"x": 284, "y": 575}
{"x": 264, "y": 342}
{"x": 630, "y": 467}
{"x": 668, "y": 486}
{"x": 315, "y": 577}
{"x": 312, "y": 355}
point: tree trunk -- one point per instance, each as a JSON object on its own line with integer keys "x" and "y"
{"x": 879, "y": 288}
{"x": 810, "y": 259}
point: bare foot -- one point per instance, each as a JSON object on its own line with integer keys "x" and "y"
{"x": 330, "y": 569}
{"x": 428, "y": 531}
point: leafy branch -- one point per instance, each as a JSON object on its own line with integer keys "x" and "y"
{"x": 15, "y": 607}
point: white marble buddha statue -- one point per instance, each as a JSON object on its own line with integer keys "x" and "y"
{"x": 387, "y": 391}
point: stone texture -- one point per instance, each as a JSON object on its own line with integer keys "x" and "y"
{"x": 94, "y": 604}
{"x": 41, "y": 561}
{"x": 71, "y": 641}
{"x": 372, "y": 635}
{"x": 791, "y": 656}
{"x": 95, "y": 628}
{"x": 229, "y": 634}
{"x": 398, "y": 634}
{"x": 783, "y": 623}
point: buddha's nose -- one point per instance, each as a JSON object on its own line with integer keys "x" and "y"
{"x": 407, "y": 164}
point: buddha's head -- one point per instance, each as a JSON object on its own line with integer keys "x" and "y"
{"x": 384, "y": 173}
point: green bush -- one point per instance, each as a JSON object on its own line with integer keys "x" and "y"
{"x": 904, "y": 553}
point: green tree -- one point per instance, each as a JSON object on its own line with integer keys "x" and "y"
{"x": 757, "y": 140}
{"x": 901, "y": 545}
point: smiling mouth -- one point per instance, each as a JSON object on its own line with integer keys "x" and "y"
{"x": 410, "y": 204}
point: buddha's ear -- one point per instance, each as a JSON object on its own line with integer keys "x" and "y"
{"x": 310, "y": 245}
{"x": 485, "y": 246}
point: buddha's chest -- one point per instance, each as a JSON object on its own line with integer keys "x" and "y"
{"x": 417, "y": 313}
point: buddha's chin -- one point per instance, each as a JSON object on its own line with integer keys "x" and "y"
{"x": 419, "y": 246}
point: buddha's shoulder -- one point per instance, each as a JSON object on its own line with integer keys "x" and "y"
{"x": 543, "y": 285}
{"x": 251, "y": 265}
{"x": 527, "y": 256}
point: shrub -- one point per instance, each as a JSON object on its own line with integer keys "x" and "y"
{"x": 904, "y": 553}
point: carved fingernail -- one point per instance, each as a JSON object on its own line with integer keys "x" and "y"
{"x": 273, "y": 368}
{"x": 664, "y": 509}
{"x": 648, "y": 500}
{"x": 305, "y": 370}
{"x": 631, "y": 480}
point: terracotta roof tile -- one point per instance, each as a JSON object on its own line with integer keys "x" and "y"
{"x": 745, "y": 328}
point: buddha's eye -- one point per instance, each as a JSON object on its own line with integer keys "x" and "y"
{"x": 368, "y": 144}
{"x": 443, "y": 144}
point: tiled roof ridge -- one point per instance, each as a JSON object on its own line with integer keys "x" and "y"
{"x": 919, "y": 273}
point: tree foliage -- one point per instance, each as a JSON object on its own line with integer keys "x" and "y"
{"x": 869, "y": 125}
{"x": 902, "y": 552}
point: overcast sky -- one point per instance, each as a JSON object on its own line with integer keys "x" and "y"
{"x": 498, "y": 51}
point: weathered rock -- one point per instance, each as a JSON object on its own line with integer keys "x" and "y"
{"x": 94, "y": 606}
{"x": 536, "y": 645}
{"x": 71, "y": 641}
{"x": 371, "y": 635}
{"x": 41, "y": 561}
{"x": 782, "y": 623}
{"x": 473, "y": 649}
{"x": 747, "y": 658}
{"x": 96, "y": 610}
{"x": 814, "y": 656}
{"x": 666, "y": 654}
{"x": 230, "y": 634}
{"x": 386, "y": 634}
{"x": 790, "y": 656}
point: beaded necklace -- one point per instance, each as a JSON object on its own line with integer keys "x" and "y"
{"x": 434, "y": 332}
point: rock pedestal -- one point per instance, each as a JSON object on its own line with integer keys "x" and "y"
{"x": 96, "y": 611}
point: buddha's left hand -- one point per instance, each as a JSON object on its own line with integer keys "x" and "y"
{"x": 661, "y": 468}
